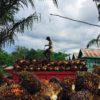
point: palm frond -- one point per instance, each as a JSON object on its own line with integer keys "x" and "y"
{"x": 7, "y": 34}
{"x": 55, "y": 2}
{"x": 20, "y": 25}
{"x": 98, "y": 40}
{"x": 93, "y": 41}
{"x": 8, "y": 9}
{"x": 32, "y": 3}
{"x": 98, "y": 37}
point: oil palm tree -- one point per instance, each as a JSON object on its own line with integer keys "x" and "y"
{"x": 9, "y": 25}
{"x": 94, "y": 41}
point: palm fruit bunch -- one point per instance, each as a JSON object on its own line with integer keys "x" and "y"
{"x": 67, "y": 83}
{"x": 30, "y": 82}
{"x": 79, "y": 83}
{"x": 56, "y": 84}
{"x": 91, "y": 82}
{"x": 55, "y": 80}
{"x": 45, "y": 90}
{"x": 96, "y": 70}
{"x": 7, "y": 94}
{"x": 12, "y": 92}
{"x": 44, "y": 87}
{"x": 49, "y": 88}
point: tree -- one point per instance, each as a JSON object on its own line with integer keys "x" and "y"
{"x": 31, "y": 54}
{"x": 23, "y": 52}
{"x": 5, "y": 58}
{"x": 35, "y": 54}
{"x": 94, "y": 41}
{"x": 9, "y": 25}
{"x": 58, "y": 56}
{"x": 20, "y": 52}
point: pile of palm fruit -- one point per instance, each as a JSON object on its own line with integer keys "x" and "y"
{"x": 34, "y": 65}
{"x": 32, "y": 88}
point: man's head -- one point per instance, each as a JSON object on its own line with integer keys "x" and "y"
{"x": 48, "y": 38}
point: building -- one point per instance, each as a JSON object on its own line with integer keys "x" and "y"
{"x": 91, "y": 56}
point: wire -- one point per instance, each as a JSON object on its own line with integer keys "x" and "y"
{"x": 75, "y": 20}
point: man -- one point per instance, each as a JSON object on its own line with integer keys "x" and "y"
{"x": 47, "y": 52}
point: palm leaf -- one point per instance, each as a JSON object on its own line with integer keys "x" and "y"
{"x": 31, "y": 2}
{"x": 9, "y": 8}
{"x": 98, "y": 42}
{"x": 7, "y": 34}
{"x": 55, "y": 2}
{"x": 93, "y": 41}
{"x": 98, "y": 39}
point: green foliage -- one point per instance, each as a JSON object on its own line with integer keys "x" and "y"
{"x": 2, "y": 74}
{"x": 58, "y": 56}
{"x": 20, "y": 53}
{"x": 31, "y": 54}
{"x": 39, "y": 54}
{"x": 5, "y": 58}
{"x": 24, "y": 53}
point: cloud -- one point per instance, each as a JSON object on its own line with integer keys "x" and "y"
{"x": 67, "y": 35}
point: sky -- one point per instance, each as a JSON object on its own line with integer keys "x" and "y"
{"x": 67, "y": 36}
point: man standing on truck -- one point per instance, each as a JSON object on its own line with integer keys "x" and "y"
{"x": 47, "y": 52}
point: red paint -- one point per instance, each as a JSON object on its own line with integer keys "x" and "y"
{"x": 14, "y": 75}
{"x": 91, "y": 52}
{"x": 45, "y": 75}
{"x": 60, "y": 75}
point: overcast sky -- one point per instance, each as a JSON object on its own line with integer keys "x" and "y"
{"x": 66, "y": 35}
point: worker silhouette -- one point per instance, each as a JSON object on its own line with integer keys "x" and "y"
{"x": 47, "y": 52}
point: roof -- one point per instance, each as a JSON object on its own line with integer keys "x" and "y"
{"x": 75, "y": 56}
{"x": 90, "y": 52}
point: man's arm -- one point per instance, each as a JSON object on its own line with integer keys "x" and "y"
{"x": 46, "y": 45}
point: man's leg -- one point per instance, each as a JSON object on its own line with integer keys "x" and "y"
{"x": 45, "y": 53}
{"x": 49, "y": 56}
